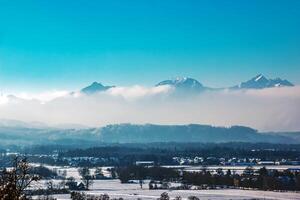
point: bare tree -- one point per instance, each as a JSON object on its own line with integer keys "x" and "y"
{"x": 15, "y": 181}
{"x": 86, "y": 177}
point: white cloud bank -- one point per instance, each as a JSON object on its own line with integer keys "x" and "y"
{"x": 43, "y": 96}
{"x": 275, "y": 109}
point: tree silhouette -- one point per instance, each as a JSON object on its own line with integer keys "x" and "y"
{"x": 15, "y": 181}
{"x": 86, "y": 177}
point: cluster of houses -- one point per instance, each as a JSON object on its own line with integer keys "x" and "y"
{"x": 76, "y": 161}
{"x": 197, "y": 160}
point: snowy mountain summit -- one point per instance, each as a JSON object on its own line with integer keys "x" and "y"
{"x": 186, "y": 85}
{"x": 183, "y": 83}
{"x": 260, "y": 82}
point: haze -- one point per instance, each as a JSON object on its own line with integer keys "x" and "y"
{"x": 273, "y": 109}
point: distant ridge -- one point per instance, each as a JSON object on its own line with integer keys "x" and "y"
{"x": 147, "y": 133}
{"x": 21, "y": 134}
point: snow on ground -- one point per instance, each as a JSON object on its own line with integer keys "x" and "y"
{"x": 133, "y": 191}
{"x": 73, "y": 171}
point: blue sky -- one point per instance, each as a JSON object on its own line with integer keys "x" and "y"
{"x": 68, "y": 44}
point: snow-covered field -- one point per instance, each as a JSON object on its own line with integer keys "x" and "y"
{"x": 132, "y": 191}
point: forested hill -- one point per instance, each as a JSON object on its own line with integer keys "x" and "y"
{"x": 147, "y": 133}
{"x": 129, "y": 133}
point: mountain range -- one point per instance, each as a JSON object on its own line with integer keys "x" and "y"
{"x": 260, "y": 82}
{"x": 191, "y": 85}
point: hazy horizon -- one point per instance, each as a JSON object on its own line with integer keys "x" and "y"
{"x": 270, "y": 109}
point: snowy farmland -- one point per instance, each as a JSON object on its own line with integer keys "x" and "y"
{"x": 133, "y": 191}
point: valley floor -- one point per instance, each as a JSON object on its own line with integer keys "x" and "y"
{"x": 133, "y": 191}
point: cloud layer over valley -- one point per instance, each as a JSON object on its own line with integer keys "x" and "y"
{"x": 271, "y": 109}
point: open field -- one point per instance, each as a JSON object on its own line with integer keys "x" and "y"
{"x": 132, "y": 191}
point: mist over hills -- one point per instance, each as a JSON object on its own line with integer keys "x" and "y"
{"x": 146, "y": 133}
{"x": 262, "y": 103}
{"x": 130, "y": 133}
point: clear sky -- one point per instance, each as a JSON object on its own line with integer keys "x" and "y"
{"x": 68, "y": 44}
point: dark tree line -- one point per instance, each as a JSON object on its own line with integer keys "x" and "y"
{"x": 262, "y": 179}
{"x": 161, "y": 154}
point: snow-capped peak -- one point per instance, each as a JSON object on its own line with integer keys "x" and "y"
{"x": 260, "y": 82}
{"x": 183, "y": 83}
